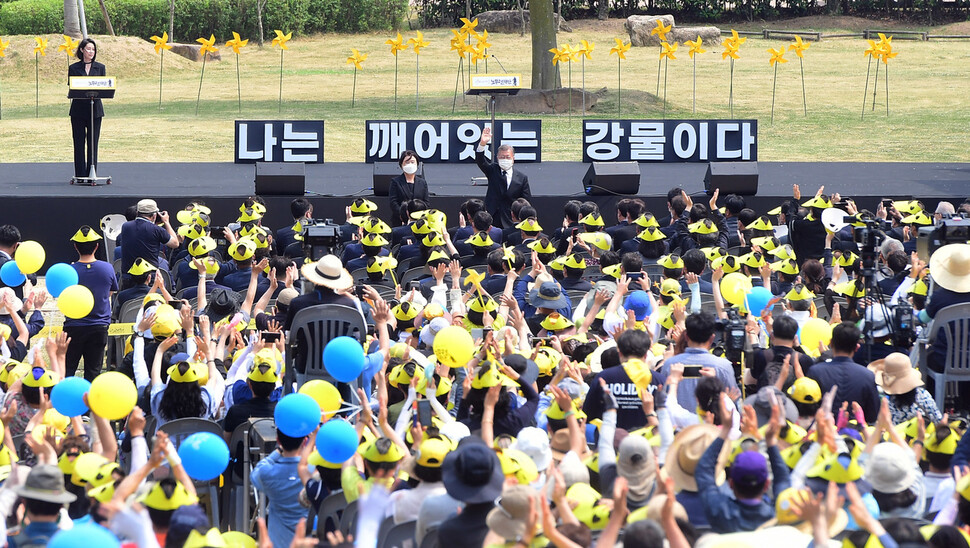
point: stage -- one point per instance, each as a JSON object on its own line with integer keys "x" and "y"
{"x": 38, "y": 198}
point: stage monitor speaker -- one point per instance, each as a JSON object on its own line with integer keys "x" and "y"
{"x": 732, "y": 178}
{"x": 612, "y": 178}
{"x": 280, "y": 179}
{"x": 384, "y": 172}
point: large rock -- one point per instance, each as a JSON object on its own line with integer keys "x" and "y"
{"x": 191, "y": 52}
{"x": 509, "y": 21}
{"x": 531, "y": 101}
{"x": 640, "y": 27}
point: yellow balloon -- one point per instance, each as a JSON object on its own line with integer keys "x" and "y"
{"x": 29, "y": 256}
{"x": 238, "y": 539}
{"x": 76, "y": 302}
{"x": 113, "y": 395}
{"x": 814, "y": 331}
{"x": 734, "y": 287}
{"x": 453, "y": 346}
{"x": 325, "y": 394}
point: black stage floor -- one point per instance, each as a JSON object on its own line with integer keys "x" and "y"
{"x": 38, "y": 199}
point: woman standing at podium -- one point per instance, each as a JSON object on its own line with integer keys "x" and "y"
{"x": 406, "y": 186}
{"x": 81, "y": 128}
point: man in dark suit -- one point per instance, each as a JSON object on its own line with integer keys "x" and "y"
{"x": 505, "y": 185}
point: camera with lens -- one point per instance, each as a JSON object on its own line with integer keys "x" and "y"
{"x": 955, "y": 230}
{"x": 320, "y": 238}
{"x": 732, "y": 334}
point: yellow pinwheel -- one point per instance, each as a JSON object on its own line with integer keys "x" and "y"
{"x": 735, "y": 38}
{"x": 281, "y": 39}
{"x": 695, "y": 48}
{"x": 586, "y": 48}
{"x": 483, "y": 42}
{"x": 161, "y": 44}
{"x": 468, "y": 27}
{"x": 236, "y": 43}
{"x": 41, "y": 47}
{"x": 474, "y": 279}
{"x": 458, "y": 43}
{"x": 356, "y": 58}
{"x": 418, "y": 42}
{"x": 558, "y": 56}
{"x": 881, "y": 51}
{"x": 477, "y": 53}
{"x": 620, "y": 48}
{"x": 68, "y": 46}
{"x": 3, "y": 47}
{"x": 777, "y": 56}
{"x": 668, "y": 50}
{"x": 730, "y": 50}
{"x": 883, "y": 39}
{"x": 731, "y": 47}
{"x": 397, "y": 44}
{"x": 661, "y": 30}
{"x": 207, "y": 46}
{"x": 887, "y": 54}
{"x": 799, "y": 46}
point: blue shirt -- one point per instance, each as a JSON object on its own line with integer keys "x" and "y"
{"x": 856, "y": 384}
{"x": 144, "y": 239}
{"x": 703, "y": 358}
{"x": 276, "y": 476}
{"x": 99, "y": 277}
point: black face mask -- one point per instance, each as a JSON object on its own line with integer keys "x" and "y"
{"x": 96, "y": 514}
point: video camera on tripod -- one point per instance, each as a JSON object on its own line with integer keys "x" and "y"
{"x": 320, "y": 238}
{"x": 732, "y": 335}
{"x": 952, "y": 230}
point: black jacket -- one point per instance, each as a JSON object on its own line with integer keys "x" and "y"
{"x": 498, "y": 198}
{"x": 80, "y": 108}
{"x": 401, "y": 191}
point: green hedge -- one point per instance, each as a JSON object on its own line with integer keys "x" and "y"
{"x": 194, "y": 18}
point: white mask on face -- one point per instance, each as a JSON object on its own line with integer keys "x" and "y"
{"x": 505, "y": 163}
{"x": 410, "y": 169}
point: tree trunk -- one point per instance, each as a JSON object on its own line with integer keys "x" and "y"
{"x": 602, "y": 9}
{"x": 171, "y": 20}
{"x": 72, "y": 25}
{"x": 260, "y": 4}
{"x": 543, "y": 21}
{"x": 107, "y": 19}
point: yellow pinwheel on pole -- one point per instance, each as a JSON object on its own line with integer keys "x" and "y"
{"x": 667, "y": 52}
{"x": 870, "y": 52}
{"x": 732, "y": 46}
{"x": 280, "y": 42}
{"x": 397, "y": 44}
{"x": 39, "y": 49}
{"x": 482, "y": 47}
{"x": 417, "y": 43}
{"x": 460, "y": 48}
{"x": 206, "y": 47}
{"x": 161, "y": 44}
{"x": 3, "y": 53}
{"x": 695, "y": 49}
{"x": 620, "y": 50}
{"x": 585, "y": 51}
{"x": 356, "y": 58}
{"x": 777, "y": 58}
{"x": 236, "y": 44}
{"x": 69, "y": 47}
{"x": 660, "y": 31}
{"x": 883, "y": 52}
{"x": 468, "y": 31}
{"x": 799, "y": 48}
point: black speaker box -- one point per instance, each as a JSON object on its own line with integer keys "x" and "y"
{"x": 384, "y": 172}
{"x": 280, "y": 178}
{"x": 732, "y": 178}
{"x": 612, "y": 178}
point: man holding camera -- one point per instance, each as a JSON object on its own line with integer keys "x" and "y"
{"x": 144, "y": 237}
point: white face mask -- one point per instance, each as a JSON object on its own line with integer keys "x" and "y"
{"x": 410, "y": 169}
{"x": 505, "y": 163}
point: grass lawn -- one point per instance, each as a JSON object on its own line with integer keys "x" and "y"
{"x": 929, "y": 112}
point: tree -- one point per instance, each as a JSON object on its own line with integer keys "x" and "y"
{"x": 542, "y": 17}
{"x": 602, "y": 10}
{"x": 72, "y": 25}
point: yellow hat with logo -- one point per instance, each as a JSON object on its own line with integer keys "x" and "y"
{"x": 592, "y": 219}
{"x": 542, "y": 245}
{"x": 157, "y": 499}
{"x": 728, "y": 264}
{"x": 646, "y": 220}
{"x": 480, "y": 239}
{"x": 556, "y": 322}
{"x": 243, "y": 249}
{"x": 761, "y": 223}
{"x": 766, "y": 243}
{"x": 405, "y": 311}
{"x": 671, "y": 261}
{"x": 85, "y": 234}
{"x": 191, "y": 231}
{"x": 381, "y": 264}
{"x": 372, "y": 239}
{"x": 799, "y": 292}
{"x": 38, "y": 377}
{"x": 190, "y": 375}
{"x": 918, "y": 218}
{"x": 785, "y": 266}
{"x": 703, "y": 226}
{"x": 482, "y": 303}
{"x": 210, "y": 539}
{"x": 753, "y": 259}
{"x": 517, "y": 464}
{"x": 805, "y": 390}
{"x": 713, "y": 252}
{"x": 140, "y": 267}
{"x": 381, "y": 450}
{"x": 362, "y": 206}
{"x": 432, "y": 452}
{"x": 599, "y": 240}
{"x": 433, "y": 239}
{"x": 529, "y": 225}
{"x": 651, "y": 234}
{"x": 847, "y": 258}
{"x": 201, "y": 246}
{"x": 487, "y": 375}
{"x": 211, "y": 265}
{"x": 783, "y": 252}
{"x": 373, "y": 225}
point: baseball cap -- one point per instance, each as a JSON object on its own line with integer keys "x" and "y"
{"x": 147, "y": 206}
{"x": 750, "y": 469}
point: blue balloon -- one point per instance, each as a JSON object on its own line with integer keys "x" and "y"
{"x": 204, "y": 455}
{"x": 11, "y": 275}
{"x": 337, "y": 441}
{"x": 344, "y": 358}
{"x": 297, "y": 415}
{"x": 67, "y": 396}
{"x": 757, "y": 299}
{"x": 87, "y": 534}
{"x": 59, "y": 277}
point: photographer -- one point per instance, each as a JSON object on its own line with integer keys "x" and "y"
{"x": 144, "y": 238}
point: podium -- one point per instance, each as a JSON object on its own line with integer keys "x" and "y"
{"x": 91, "y": 88}
{"x": 494, "y": 85}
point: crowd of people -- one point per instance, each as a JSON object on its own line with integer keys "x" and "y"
{"x": 707, "y": 376}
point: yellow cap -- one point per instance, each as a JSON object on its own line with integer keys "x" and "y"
{"x": 480, "y": 239}
{"x": 102, "y": 493}
{"x": 211, "y": 539}
{"x": 599, "y": 240}
{"x": 703, "y": 226}
{"x": 421, "y": 226}
{"x": 191, "y": 373}
{"x": 201, "y": 246}
{"x": 141, "y": 266}
{"x": 556, "y": 322}
{"x": 820, "y": 202}
{"x": 670, "y": 287}
{"x": 432, "y": 452}
{"x": 766, "y": 243}
{"x": 433, "y": 239}
{"x": 918, "y": 218}
{"x": 85, "y": 234}
{"x": 212, "y": 266}
{"x": 593, "y": 219}
{"x": 373, "y": 240}
{"x": 529, "y": 225}
{"x": 191, "y": 231}
{"x": 799, "y": 292}
{"x": 86, "y": 467}
{"x": 243, "y": 249}
{"x": 785, "y": 266}
{"x": 753, "y": 259}
{"x": 646, "y": 220}
{"x": 487, "y": 375}
{"x": 405, "y": 311}
{"x": 847, "y": 258}
{"x": 713, "y": 252}
{"x": 761, "y": 223}
{"x": 373, "y": 225}
{"x": 38, "y": 377}
{"x": 382, "y": 264}
{"x": 249, "y": 215}
{"x": 381, "y": 450}
{"x": 850, "y": 289}
{"x": 651, "y": 234}
{"x": 517, "y": 464}
{"x": 575, "y": 261}
{"x": 156, "y": 499}
{"x": 672, "y": 261}
{"x": 728, "y": 264}
{"x": 783, "y": 252}
{"x": 361, "y": 206}
{"x": 482, "y": 303}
